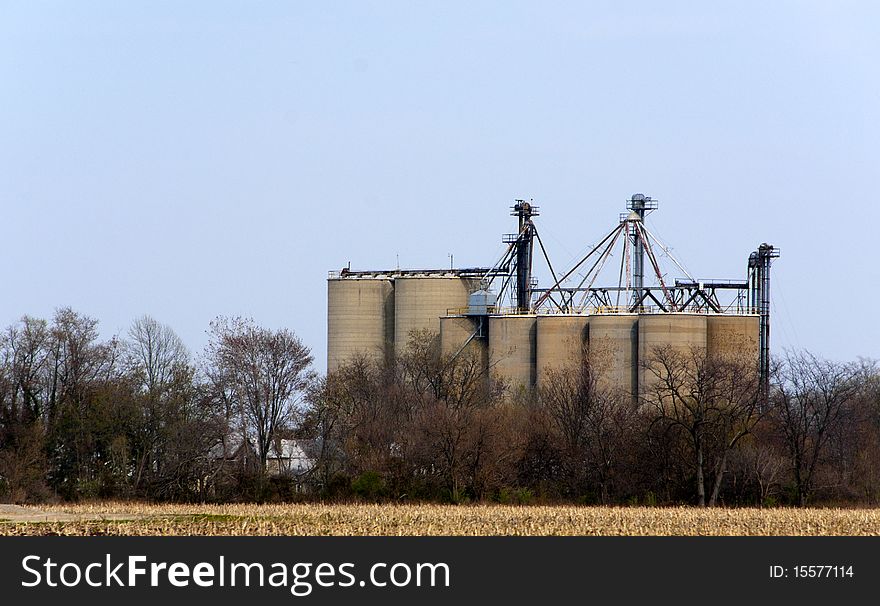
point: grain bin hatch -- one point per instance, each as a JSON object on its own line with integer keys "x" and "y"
{"x": 481, "y": 303}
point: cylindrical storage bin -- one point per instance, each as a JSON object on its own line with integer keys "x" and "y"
{"x": 684, "y": 334}
{"x": 512, "y": 342}
{"x": 419, "y": 302}
{"x": 360, "y": 318}
{"x": 733, "y": 338}
{"x": 614, "y": 352}
{"x": 561, "y": 343}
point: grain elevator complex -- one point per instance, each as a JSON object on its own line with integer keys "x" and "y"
{"x": 521, "y": 333}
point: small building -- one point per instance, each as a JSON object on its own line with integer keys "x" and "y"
{"x": 292, "y": 457}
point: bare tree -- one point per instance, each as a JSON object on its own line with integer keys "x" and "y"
{"x": 24, "y": 351}
{"x": 865, "y": 476}
{"x": 458, "y": 420}
{"x": 77, "y": 358}
{"x": 266, "y": 374}
{"x": 155, "y": 353}
{"x": 591, "y": 422}
{"x": 810, "y": 399}
{"x": 83, "y": 394}
{"x": 417, "y": 418}
{"x": 714, "y": 403}
{"x": 23, "y": 362}
{"x": 362, "y": 409}
{"x": 158, "y": 363}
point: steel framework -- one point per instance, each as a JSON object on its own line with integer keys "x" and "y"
{"x": 578, "y": 290}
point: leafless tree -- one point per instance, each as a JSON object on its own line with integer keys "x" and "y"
{"x": 155, "y": 353}
{"x": 417, "y": 417}
{"x": 77, "y": 358}
{"x": 591, "y": 421}
{"x": 761, "y": 465}
{"x": 157, "y": 362}
{"x": 24, "y": 352}
{"x": 713, "y": 402}
{"x": 23, "y": 358}
{"x": 362, "y": 409}
{"x": 810, "y": 399}
{"x": 865, "y": 476}
{"x": 266, "y": 374}
{"x": 458, "y": 420}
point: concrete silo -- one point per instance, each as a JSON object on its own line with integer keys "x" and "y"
{"x": 561, "y": 343}
{"x": 512, "y": 345}
{"x": 614, "y": 351}
{"x": 683, "y": 333}
{"x": 360, "y": 318}
{"x": 733, "y": 337}
{"x": 420, "y": 301}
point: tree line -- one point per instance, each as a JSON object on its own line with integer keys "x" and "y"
{"x": 705, "y": 430}
{"x": 138, "y": 416}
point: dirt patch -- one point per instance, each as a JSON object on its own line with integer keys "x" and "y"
{"x": 16, "y": 514}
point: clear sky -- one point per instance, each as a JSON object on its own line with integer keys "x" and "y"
{"x": 191, "y": 159}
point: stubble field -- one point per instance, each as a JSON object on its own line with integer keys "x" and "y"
{"x": 114, "y": 518}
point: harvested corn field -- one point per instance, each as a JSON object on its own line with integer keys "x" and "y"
{"x": 423, "y": 520}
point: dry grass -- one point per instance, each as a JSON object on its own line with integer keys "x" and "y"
{"x": 421, "y": 520}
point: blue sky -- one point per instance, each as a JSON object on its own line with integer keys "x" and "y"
{"x": 187, "y": 160}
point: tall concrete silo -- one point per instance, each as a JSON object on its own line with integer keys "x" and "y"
{"x": 614, "y": 351}
{"x": 733, "y": 338}
{"x": 420, "y": 301}
{"x": 561, "y": 343}
{"x": 512, "y": 345}
{"x": 360, "y": 318}
{"x": 681, "y": 332}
